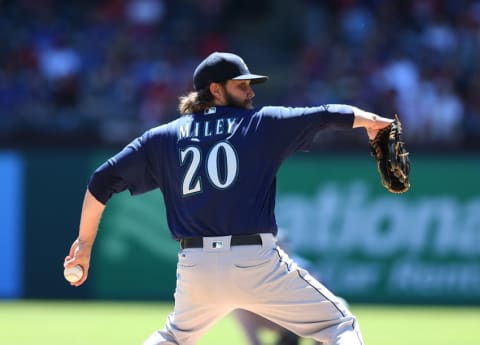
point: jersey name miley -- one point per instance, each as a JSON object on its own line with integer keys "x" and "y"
{"x": 210, "y": 128}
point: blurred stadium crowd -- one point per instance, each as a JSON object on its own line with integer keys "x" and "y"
{"x": 100, "y": 72}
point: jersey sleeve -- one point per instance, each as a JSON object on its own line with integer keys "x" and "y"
{"x": 296, "y": 127}
{"x": 129, "y": 169}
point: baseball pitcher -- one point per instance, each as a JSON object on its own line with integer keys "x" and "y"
{"x": 215, "y": 166}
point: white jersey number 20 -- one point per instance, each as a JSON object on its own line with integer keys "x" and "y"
{"x": 192, "y": 182}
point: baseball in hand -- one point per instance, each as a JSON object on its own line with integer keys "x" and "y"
{"x": 73, "y": 274}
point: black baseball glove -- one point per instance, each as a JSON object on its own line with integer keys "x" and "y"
{"x": 392, "y": 158}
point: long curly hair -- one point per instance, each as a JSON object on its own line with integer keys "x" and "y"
{"x": 195, "y": 101}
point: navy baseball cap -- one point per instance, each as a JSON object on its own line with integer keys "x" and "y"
{"x": 218, "y": 67}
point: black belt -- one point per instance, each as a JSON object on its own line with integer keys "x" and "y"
{"x": 237, "y": 240}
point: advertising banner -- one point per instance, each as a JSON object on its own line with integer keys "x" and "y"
{"x": 370, "y": 245}
{"x": 11, "y": 225}
{"x": 54, "y": 188}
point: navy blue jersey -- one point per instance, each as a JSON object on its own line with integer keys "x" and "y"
{"x": 217, "y": 169}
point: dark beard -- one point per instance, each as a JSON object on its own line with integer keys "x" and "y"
{"x": 232, "y": 102}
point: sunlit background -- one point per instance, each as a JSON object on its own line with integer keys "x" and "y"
{"x": 81, "y": 79}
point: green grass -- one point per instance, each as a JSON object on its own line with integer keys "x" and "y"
{"x": 95, "y": 323}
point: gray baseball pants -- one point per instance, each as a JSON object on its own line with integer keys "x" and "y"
{"x": 214, "y": 280}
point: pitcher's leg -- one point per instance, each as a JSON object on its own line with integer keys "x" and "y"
{"x": 298, "y": 302}
{"x": 187, "y": 326}
{"x": 196, "y": 309}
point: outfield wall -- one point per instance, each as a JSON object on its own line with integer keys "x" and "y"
{"x": 368, "y": 245}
